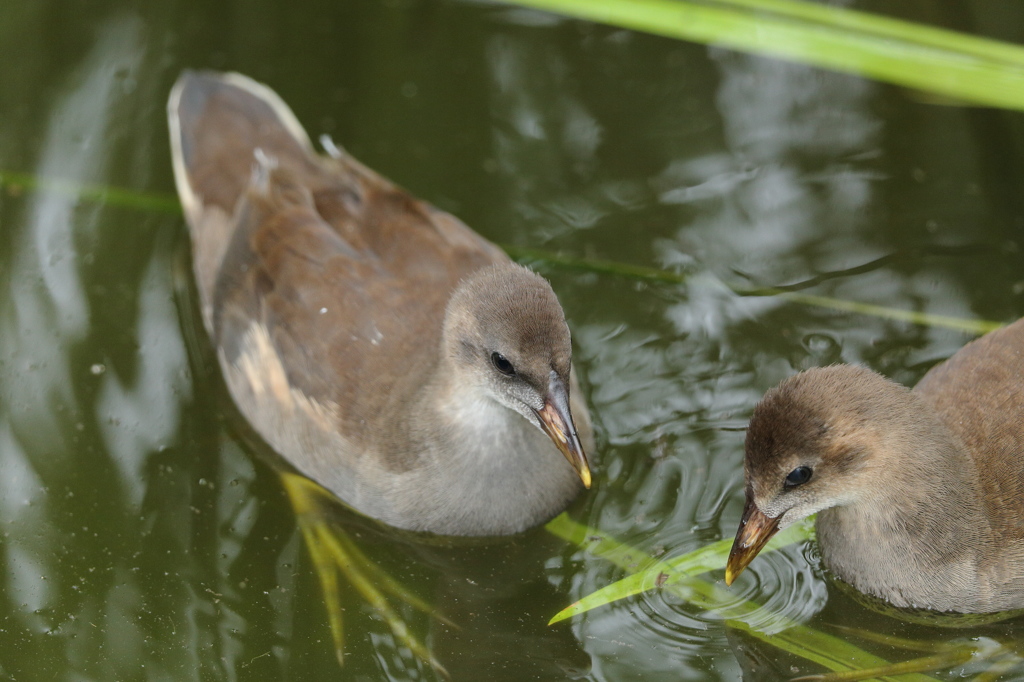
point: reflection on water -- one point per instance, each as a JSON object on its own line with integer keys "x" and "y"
{"x": 801, "y": 155}
{"x": 47, "y": 308}
{"x": 143, "y": 537}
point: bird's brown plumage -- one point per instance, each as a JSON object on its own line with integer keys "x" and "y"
{"x": 919, "y": 494}
{"x": 325, "y": 289}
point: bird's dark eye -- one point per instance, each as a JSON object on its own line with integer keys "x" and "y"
{"x": 798, "y": 476}
{"x": 502, "y": 364}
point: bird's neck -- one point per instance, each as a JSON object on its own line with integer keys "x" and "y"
{"x": 466, "y": 420}
{"x": 905, "y": 541}
{"x": 501, "y": 473}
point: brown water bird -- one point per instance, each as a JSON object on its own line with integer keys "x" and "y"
{"x": 919, "y": 494}
{"x": 382, "y": 347}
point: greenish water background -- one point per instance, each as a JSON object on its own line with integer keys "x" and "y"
{"x": 143, "y": 539}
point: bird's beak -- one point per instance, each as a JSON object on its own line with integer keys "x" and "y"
{"x": 556, "y": 419}
{"x": 754, "y": 532}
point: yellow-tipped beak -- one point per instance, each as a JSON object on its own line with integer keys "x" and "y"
{"x": 754, "y": 532}
{"x": 556, "y": 419}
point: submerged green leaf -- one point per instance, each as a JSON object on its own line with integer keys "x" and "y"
{"x": 659, "y": 276}
{"x": 652, "y": 572}
{"x": 912, "y": 316}
{"x": 827, "y": 651}
{"x": 15, "y": 182}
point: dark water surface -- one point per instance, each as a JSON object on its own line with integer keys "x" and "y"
{"x": 140, "y": 536}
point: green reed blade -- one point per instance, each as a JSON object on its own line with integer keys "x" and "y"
{"x": 885, "y": 27}
{"x": 947, "y": 63}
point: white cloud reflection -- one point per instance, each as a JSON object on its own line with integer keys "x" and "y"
{"x": 142, "y": 417}
{"x": 46, "y": 313}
